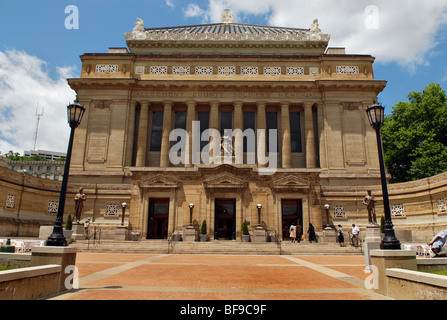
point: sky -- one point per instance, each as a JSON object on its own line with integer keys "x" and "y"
{"x": 41, "y": 42}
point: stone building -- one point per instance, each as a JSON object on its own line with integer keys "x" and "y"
{"x": 225, "y": 116}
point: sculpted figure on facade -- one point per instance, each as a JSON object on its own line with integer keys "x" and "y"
{"x": 139, "y": 27}
{"x": 370, "y": 202}
{"x": 79, "y": 204}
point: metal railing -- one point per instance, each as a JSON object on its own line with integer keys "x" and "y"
{"x": 96, "y": 239}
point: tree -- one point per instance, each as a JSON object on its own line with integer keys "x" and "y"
{"x": 415, "y": 135}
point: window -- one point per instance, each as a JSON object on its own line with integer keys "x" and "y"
{"x": 249, "y": 124}
{"x": 204, "y": 119}
{"x": 157, "y": 129}
{"x": 226, "y": 122}
{"x": 272, "y": 124}
{"x": 295, "y": 132}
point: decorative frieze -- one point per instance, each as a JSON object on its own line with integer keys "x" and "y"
{"x": 442, "y": 205}
{"x": 53, "y": 206}
{"x": 272, "y": 71}
{"x": 112, "y": 209}
{"x": 181, "y": 70}
{"x": 347, "y": 70}
{"x": 295, "y": 71}
{"x": 397, "y": 210}
{"x": 159, "y": 70}
{"x": 227, "y": 71}
{"x": 139, "y": 70}
{"x": 313, "y": 71}
{"x": 106, "y": 68}
{"x": 339, "y": 212}
{"x": 204, "y": 70}
{"x": 249, "y": 70}
{"x": 10, "y": 201}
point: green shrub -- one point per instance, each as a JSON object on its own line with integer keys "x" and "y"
{"x": 69, "y": 223}
{"x": 245, "y": 228}
{"x": 203, "y": 228}
{"x": 382, "y": 224}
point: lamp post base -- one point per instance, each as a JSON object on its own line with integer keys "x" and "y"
{"x": 57, "y": 238}
{"x": 390, "y": 242}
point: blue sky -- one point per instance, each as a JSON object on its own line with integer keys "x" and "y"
{"x": 37, "y": 51}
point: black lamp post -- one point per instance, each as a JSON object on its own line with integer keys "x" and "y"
{"x": 75, "y": 113}
{"x": 376, "y": 116}
{"x": 123, "y": 205}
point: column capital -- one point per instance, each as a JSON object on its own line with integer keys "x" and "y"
{"x": 168, "y": 103}
{"x": 308, "y": 104}
{"x": 238, "y": 103}
{"x": 285, "y": 103}
{"x": 145, "y": 103}
{"x": 214, "y": 103}
{"x": 261, "y": 103}
{"x": 191, "y": 103}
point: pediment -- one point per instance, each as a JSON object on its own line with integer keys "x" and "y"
{"x": 290, "y": 183}
{"x": 159, "y": 181}
{"x": 226, "y": 181}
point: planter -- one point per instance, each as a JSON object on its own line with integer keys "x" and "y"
{"x": 245, "y": 238}
{"x": 135, "y": 238}
{"x": 177, "y": 237}
{"x": 67, "y": 235}
{"x": 203, "y": 238}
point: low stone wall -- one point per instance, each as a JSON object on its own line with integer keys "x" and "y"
{"x": 15, "y": 260}
{"x": 30, "y": 283}
{"x": 405, "y": 284}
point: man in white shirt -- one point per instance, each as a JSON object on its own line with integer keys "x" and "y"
{"x": 355, "y": 235}
{"x": 437, "y": 244}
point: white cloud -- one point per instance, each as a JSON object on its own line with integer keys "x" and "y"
{"x": 193, "y": 11}
{"x": 25, "y": 83}
{"x": 406, "y": 31}
{"x": 170, "y": 4}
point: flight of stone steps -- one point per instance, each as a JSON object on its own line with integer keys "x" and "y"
{"x": 214, "y": 247}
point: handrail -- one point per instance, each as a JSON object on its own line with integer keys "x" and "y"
{"x": 95, "y": 232}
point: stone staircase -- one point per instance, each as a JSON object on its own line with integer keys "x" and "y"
{"x": 214, "y": 247}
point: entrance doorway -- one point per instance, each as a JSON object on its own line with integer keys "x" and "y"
{"x": 292, "y": 212}
{"x": 225, "y": 219}
{"x": 157, "y": 227}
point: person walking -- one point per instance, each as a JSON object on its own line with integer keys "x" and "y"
{"x": 292, "y": 232}
{"x": 311, "y": 233}
{"x": 355, "y": 235}
{"x": 341, "y": 237}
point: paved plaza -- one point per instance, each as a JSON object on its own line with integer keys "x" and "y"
{"x": 220, "y": 277}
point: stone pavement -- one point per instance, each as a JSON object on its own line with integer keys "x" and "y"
{"x": 106, "y": 276}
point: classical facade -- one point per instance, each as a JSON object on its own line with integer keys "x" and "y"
{"x": 225, "y": 116}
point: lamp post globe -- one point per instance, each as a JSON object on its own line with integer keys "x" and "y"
{"x": 376, "y": 116}
{"x": 75, "y": 113}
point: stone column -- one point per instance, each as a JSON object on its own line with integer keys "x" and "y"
{"x": 310, "y": 137}
{"x": 286, "y": 140}
{"x": 165, "y": 144}
{"x": 142, "y": 135}
{"x": 239, "y": 139}
{"x": 261, "y": 133}
{"x": 322, "y": 137}
{"x": 130, "y": 132}
{"x": 190, "y": 117}
{"x": 214, "y": 124}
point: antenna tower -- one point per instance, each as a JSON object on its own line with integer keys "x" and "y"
{"x": 38, "y": 115}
